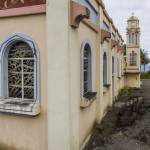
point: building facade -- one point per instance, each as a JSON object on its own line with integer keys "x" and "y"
{"x": 62, "y": 65}
{"x": 133, "y": 52}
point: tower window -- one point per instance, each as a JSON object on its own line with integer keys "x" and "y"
{"x": 133, "y": 38}
{"x": 133, "y": 58}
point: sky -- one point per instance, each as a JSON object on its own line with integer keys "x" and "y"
{"x": 121, "y": 10}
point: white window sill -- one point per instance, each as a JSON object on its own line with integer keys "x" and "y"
{"x": 85, "y": 104}
{"x": 15, "y": 106}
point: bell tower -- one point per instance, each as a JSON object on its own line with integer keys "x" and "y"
{"x": 133, "y": 52}
{"x": 133, "y": 32}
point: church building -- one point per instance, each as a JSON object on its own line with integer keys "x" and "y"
{"x": 62, "y": 66}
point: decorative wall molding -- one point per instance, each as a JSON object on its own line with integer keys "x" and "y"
{"x": 113, "y": 43}
{"x": 105, "y": 35}
{"x": 100, "y": 2}
{"x": 121, "y": 48}
{"x": 8, "y": 4}
{"x": 36, "y": 9}
{"x": 77, "y": 14}
{"x": 91, "y": 25}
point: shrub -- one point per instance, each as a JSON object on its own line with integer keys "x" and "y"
{"x": 145, "y": 75}
{"x": 126, "y": 91}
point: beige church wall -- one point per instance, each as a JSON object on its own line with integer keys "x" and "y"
{"x": 106, "y": 48}
{"x": 87, "y": 120}
{"x": 117, "y": 85}
{"x": 87, "y": 116}
{"x": 133, "y": 80}
{"x": 26, "y": 132}
{"x": 106, "y": 100}
{"x": 114, "y": 53}
{"x": 107, "y": 92}
{"x": 121, "y": 83}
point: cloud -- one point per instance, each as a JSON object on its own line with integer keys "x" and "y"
{"x": 121, "y": 10}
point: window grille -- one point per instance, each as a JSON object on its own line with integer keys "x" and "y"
{"x": 87, "y": 69}
{"x": 20, "y": 71}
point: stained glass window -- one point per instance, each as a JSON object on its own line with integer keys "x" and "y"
{"x": 20, "y": 71}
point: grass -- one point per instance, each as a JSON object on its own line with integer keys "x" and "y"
{"x": 145, "y": 75}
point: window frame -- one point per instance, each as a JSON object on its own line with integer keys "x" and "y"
{"x": 4, "y": 47}
{"x": 89, "y": 80}
{"x": 105, "y": 69}
{"x": 133, "y": 38}
{"x": 133, "y": 58}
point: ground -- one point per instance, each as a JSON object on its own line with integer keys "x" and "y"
{"x": 127, "y": 125}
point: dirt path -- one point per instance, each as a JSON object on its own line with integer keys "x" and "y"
{"x": 126, "y": 128}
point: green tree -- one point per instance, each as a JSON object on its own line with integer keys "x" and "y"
{"x": 144, "y": 58}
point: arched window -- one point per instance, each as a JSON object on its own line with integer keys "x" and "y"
{"x": 104, "y": 68}
{"x": 133, "y": 58}
{"x": 20, "y": 75}
{"x": 86, "y": 69}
